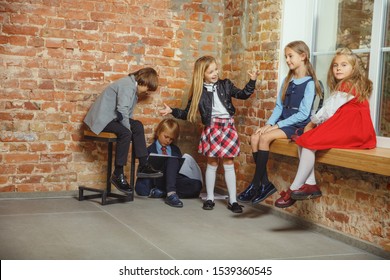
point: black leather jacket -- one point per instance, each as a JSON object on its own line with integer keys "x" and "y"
{"x": 226, "y": 90}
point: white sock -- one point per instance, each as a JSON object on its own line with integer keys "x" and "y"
{"x": 230, "y": 179}
{"x": 305, "y": 171}
{"x": 211, "y": 173}
{"x": 311, "y": 180}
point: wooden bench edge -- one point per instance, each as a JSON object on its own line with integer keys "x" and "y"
{"x": 373, "y": 160}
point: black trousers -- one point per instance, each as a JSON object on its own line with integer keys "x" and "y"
{"x": 172, "y": 181}
{"x": 125, "y": 137}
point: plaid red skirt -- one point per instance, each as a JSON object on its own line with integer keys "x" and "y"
{"x": 220, "y": 139}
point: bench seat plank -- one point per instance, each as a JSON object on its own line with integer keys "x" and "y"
{"x": 372, "y": 160}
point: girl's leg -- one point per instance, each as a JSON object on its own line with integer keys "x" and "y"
{"x": 260, "y": 178}
{"x": 311, "y": 180}
{"x": 305, "y": 168}
{"x": 211, "y": 173}
{"x": 305, "y": 173}
{"x": 230, "y": 179}
{"x": 264, "y": 180}
{"x": 263, "y": 152}
{"x": 255, "y": 138}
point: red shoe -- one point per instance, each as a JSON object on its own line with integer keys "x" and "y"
{"x": 285, "y": 199}
{"x": 306, "y": 192}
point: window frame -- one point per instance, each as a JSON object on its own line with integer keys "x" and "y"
{"x": 299, "y": 23}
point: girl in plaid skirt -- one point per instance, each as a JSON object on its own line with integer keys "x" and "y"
{"x": 212, "y": 98}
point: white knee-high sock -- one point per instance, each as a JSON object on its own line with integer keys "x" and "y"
{"x": 311, "y": 180}
{"x": 305, "y": 171}
{"x": 211, "y": 173}
{"x": 230, "y": 179}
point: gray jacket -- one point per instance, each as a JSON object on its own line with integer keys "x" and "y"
{"x": 120, "y": 96}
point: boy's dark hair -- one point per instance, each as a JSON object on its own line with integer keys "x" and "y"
{"x": 146, "y": 77}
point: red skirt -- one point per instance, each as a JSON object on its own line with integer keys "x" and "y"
{"x": 349, "y": 128}
{"x": 220, "y": 139}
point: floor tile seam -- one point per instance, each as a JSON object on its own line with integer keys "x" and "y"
{"x": 323, "y": 256}
{"x": 35, "y": 198}
{"x": 138, "y": 234}
{"x": 46, "y": 214}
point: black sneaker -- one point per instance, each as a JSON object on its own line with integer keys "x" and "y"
{"x": 235, "y": 207}
{"x": 208, "y": 205}
{"x": 120, "y": 183}
{"x": 147, "y": 171}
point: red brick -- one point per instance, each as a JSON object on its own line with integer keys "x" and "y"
{"x": 37, "y": 147}
{"x": 57, "y": 157}
{"x": 17, "y": 40}
{"x": 7, "y": 188}
{"x": 20, "y": 30}
{"x": 7, "y": 168}
{"x": 102, "y": 16}
{"x": 6, "y": 117}
{"x": 59, "y": 147}
{"x": 18, "y": 158}
{"x": 25, "y": 169}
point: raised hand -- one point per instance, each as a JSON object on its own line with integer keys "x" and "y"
{"x": 253, "y": 73}
{"x": 167, "y": 110}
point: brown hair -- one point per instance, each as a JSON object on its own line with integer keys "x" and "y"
{"x": 146, "y": 77}
{"x": 200, "y": 67}
{"x": 168, "y": 125}
{"x": 358, "y": 79}
{"x": 300, "y": 47}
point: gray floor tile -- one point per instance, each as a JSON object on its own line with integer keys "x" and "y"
{"x": 193, "y": 233}
{"x": 149, "y": 229}
{"x": 50, "y": 205}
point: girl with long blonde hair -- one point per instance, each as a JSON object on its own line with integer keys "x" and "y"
{"x": 292, "y": 112}
{"x": 212, "y": 98}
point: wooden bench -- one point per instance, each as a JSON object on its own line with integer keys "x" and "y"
{"x": 373, "y": 160}
{"x": 105, "y": 194}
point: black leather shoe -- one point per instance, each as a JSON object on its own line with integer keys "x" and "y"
{"x": 248, "y": 194}
{"x": 174, "y": 201}
{"x": 263, "y": 192}
{"x": 120, "y": 183}
{"x": 208, "y": 205}
{"x": 147, "y": 171}
{"x": 235, "y": 207}
{"x": 157, "y": 193}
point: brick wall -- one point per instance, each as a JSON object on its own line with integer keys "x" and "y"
{"x": 57, "y": 56}
{"x": 251, "y": 39}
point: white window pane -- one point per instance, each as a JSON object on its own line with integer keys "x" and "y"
{"x": 321, "y": 67}
{"x": 384, "y": 118}
{"x": 344, "y": 23}
{"x": 384, "y": 112}
{"x": 387, "y": 28}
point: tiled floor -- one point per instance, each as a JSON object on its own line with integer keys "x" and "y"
{"x": 65, "y": 228}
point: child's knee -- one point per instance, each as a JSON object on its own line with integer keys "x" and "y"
{"x": 137, "y": 126}
{"x": 143, "y": 186}
{"x": 255, "y": 138}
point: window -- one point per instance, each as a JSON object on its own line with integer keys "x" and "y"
{"x": 361, "y": 25}
{"x": 384, "y": 109}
